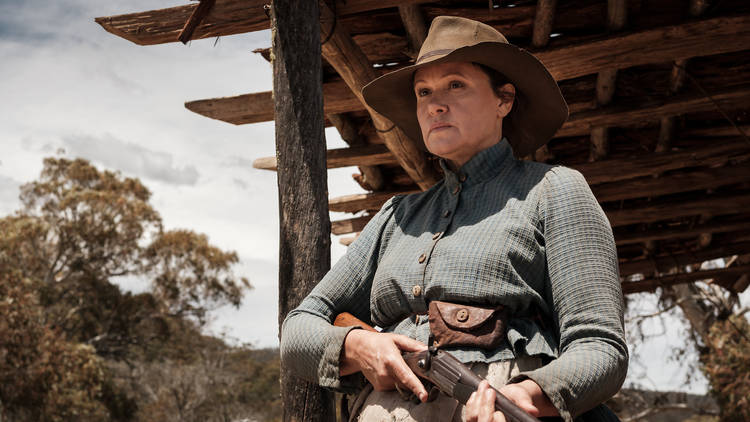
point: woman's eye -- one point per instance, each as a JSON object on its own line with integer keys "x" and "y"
{"x": 422, "y": 92}
{"x": 456, "y": 84}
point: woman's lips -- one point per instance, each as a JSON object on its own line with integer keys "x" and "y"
{"x": 439, "y": 126}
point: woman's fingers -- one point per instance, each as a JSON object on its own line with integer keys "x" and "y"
{"x": 405, "y": 376}
{"x": 408, "y": 344}
{"x": 481, "y": 405}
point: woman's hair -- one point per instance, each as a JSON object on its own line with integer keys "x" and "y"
{"x": 497, "y": 80}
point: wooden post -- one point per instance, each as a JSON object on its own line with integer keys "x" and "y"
{"x": 304, "y": 241}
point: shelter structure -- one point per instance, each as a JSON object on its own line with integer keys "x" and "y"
{"x": 658, "y": 90}
{"x": 659, "y": 95}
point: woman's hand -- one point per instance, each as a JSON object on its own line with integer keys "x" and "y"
{"x": 526, "y": 394}
{"x": 378, "y": 356}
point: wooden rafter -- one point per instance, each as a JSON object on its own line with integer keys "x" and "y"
{"x": 227, "y": 17}
{"x": 651, "y": 284}
{"x": 543, "y": 20}
{"x": 667, "y": 210}
{"x": 680, "y": 232}
{"x": 351, "y": 63}
{"x": 200, "y": 12}
{"x": 366, "y": 155}
{"x": 371, "y": 177}
{"x": 258, "y": 107}
{"x": 652, "y": 110}
{"x": 663, "y": 264}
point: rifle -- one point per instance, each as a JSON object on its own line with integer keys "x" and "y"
{"x": 446, "y": 372}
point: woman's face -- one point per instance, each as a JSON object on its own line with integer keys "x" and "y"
{"x": 458, "y": 111}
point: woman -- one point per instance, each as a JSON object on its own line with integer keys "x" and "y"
{"x": 523, "y": 237}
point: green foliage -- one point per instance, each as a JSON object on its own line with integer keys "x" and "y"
{"x": 726, "y": 363}
{"x": 73, "y": 346}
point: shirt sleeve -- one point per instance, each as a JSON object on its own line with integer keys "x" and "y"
{"x": 585, "y": 295}
{"x": 310, "y": 345}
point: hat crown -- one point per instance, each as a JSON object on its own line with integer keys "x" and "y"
{"x": 448, "y": 33}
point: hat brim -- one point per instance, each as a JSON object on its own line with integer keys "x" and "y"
{"x": 540, "y": 109}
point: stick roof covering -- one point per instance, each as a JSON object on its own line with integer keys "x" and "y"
{"x": 659, "y": 94}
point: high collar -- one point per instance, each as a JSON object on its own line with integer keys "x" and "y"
{"x": 484, "y": 165}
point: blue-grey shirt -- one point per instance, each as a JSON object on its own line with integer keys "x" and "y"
{"x": 500, "y": 231}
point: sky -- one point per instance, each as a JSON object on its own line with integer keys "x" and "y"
{"x": 71, "y": 89}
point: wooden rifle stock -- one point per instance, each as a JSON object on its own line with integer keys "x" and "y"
{"x": 454, "y": 378}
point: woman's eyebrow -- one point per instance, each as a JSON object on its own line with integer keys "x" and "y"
{"x": 447, "y": 75}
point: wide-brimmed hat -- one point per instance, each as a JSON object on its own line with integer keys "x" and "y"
{"x": 540, "y": 108}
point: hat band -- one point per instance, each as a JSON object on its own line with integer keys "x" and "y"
{"x": 433, "y": 53}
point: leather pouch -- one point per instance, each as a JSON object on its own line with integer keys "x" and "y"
{"x": 455, "y": 324}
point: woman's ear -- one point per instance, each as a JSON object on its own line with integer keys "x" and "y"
{"x": 506, "y": 96}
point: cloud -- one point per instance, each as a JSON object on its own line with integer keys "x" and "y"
{"x": 131, "y": 158}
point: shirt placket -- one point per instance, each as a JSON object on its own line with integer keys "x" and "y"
{"x": 447, "y": 214}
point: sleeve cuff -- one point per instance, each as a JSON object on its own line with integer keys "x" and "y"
{"x": 328, "y": 371}
{"x": 553, "y": 394}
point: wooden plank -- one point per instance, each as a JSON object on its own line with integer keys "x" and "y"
{"x": 680, "y": 232}
{"x": 667, "y": 210}
{"x": 697, "y": 38}
{"x": 258, "y": 107}
{"x": 663, "y": 264}
{"x": 649, "y": 285}
{"x": 543, "y": 19}
{"x": 674, "y": 183}
{"x": 416, "y": 29}
{"x": 350, "y": 225}
{"x": 366, "y": 155}
{"x": 350, "y": 62}
{"x": 362, "y": 201}
{"x": 199, "y": 13}
{"x": 227, "y": 17}
{"x": 371, "y": 177}
{"x": 717, "y": 153}
{"x": 652, "y": 110}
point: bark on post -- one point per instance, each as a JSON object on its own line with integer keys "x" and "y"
{"x": 304, "y": 241}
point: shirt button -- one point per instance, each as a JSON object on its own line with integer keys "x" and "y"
{"x": 416, "y": 290}
{"x": 446, "y": 213}
{"x": 462, "y": 178}
{"x": 422, "y": 258}
{"x": 436, "y": 235}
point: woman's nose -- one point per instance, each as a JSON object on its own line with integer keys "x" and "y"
{"x": 436, "y": 106}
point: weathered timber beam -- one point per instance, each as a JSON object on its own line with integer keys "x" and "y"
{"x": 199, "y": 13}
{"x": 663, "y": 264}
{"x": 366, "y": 155}
{"x": 698, "y": 38}
{"x": 543, "y": 19}
{"x": 717, "y": 131}
{"x": 258, "y": 107}
{"x": 651, "y": 284}
{"x": 362, "y": 201}
{"x": 674, "y": 183}
{"x": 351, "y": 63}
{"x": 350, "y": 225}
{"x": 416, "y": 29}
{"x": 227, "y": 17}
{"x": 371, "y": 177}
{"x": 606, "y": 81}
{"x": 679, "y": 233}
{"x": 668, "y": 210}
{"x": 652, "y": 110}
{"x": 717, "y": 153}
